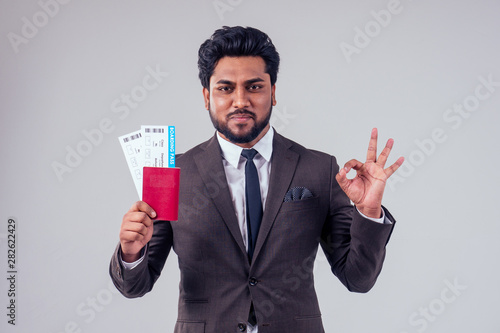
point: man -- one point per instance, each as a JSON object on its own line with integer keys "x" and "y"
{"x": 253, "y": 207}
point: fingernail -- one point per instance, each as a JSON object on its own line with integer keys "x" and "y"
{"x": 153, "y": 214}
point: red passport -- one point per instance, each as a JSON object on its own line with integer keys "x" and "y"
{"x": 160, "y": 190}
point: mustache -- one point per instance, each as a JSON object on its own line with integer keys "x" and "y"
{"x": 241, "y": 112}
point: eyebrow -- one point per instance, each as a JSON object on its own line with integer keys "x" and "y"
{"x": 257, "y": 79}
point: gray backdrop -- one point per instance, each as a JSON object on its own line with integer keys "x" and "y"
{"x": 426, "y": 73}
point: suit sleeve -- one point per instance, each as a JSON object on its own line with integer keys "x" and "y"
{"x": 353, "y": 245}
{"x": 140, "y": 280}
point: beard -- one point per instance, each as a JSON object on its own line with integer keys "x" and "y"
{"x": 251, "y": 135}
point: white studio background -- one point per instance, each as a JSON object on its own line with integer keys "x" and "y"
{"x": 427, "y": 74}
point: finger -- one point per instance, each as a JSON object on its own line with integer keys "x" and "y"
{"x": 342, "y": 179}
{"x": 371, "y": 155}
{"x": 139, "y": 228}
{"x": 139, "y": 218}
{"x": 382, "y": 158}
{"x": 141, "y": 206}
{"x": 390, "y": 170}
{"x": 352, "y": 164}
{"x": 130, "y": 236}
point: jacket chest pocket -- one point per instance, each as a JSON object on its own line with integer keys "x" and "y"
{"x": 298, "y": 219}
{"x": 300, "y": 205}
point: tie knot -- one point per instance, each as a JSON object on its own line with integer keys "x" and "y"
{"x": 249, "y": 154}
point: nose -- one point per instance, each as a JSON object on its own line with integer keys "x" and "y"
{"x": 240, "y": 98}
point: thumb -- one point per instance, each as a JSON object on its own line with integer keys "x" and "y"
{"x": 141, "y": 206}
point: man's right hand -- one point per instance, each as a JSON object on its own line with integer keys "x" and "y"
{"x": 136, "y": 230}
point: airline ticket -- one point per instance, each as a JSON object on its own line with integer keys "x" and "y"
{"x": 151, "y": 146}
{"x": 155, "y": 145}
{"x": 132, "y": 149}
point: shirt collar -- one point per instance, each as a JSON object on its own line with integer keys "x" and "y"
{"x": 232, "y": 152}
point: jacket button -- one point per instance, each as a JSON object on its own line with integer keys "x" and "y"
{"x": 253, "y": 281}
{"x": 242, "y": 327}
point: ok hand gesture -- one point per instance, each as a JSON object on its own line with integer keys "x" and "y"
{"x": 366, "y": 189}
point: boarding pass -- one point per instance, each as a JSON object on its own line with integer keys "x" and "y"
{"x": 151, "y": 146}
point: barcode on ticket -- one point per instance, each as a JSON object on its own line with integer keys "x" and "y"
{"x": 133, "y": 137}
{"x": 154, "y": 130}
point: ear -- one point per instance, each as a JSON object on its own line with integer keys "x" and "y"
{"x": 206, "y": 97}
{"x": 273, "y": 95}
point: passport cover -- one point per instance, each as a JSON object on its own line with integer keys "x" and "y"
{"x": 160, "y": 190}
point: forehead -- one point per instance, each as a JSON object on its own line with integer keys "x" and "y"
{"x": 240, "y": 68}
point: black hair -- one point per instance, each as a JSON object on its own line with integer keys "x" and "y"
{"x": 236, "y": 42}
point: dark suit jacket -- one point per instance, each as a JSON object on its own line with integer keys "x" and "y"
{"x": 218, "y": 283}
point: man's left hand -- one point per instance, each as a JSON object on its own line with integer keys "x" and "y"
{"x": 367, "y": 188}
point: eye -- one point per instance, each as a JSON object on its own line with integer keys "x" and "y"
{"x": 224, "y": 88}
{"x": 255, "y": 87}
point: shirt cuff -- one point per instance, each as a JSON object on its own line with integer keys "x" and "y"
{"x": 131, "y": 265}
{"x": 381, "y": 220}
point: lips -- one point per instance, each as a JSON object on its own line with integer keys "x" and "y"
{"x": 241, "y": 116}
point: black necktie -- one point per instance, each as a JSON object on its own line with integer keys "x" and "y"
{"x": 253, "y": 200}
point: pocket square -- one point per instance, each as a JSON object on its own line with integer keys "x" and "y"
{"x": 297, "y": 193}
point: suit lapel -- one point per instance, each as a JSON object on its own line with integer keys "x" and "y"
{"x": 284, "y": 162}
{"x": 209, "y": 163}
